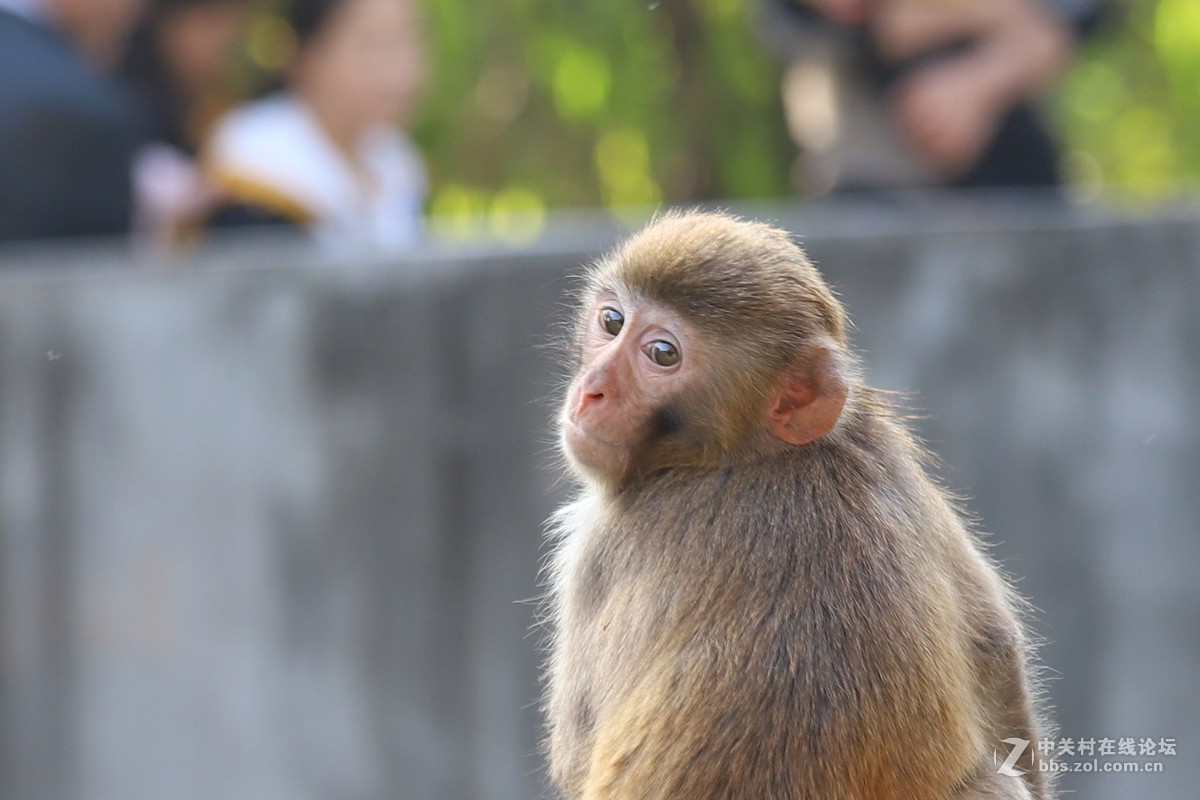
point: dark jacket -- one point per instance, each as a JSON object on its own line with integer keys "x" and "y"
{"x": 67, "y": 138}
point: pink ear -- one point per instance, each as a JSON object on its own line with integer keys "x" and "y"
{"x": 808, "y": 401}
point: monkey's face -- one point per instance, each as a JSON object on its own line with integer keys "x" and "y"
{"x": 640, "y": 361}
{"x": 704, "y": 342}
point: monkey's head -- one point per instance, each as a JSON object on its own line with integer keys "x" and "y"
{"x": 702, "y": 340}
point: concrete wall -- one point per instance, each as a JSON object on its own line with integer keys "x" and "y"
{"x": 269, "y": 526}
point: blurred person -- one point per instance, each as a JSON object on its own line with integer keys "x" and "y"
{"x": 328, "y": 153}
{"x": 887, "y": 94}
{"x": 67, "y": 132}
{"x": 179, "y": 66}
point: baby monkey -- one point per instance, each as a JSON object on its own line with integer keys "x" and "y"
{"x": 759, "y": 593}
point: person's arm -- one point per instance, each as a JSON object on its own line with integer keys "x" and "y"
{"x": 905, "y": 29}
{"x": 949, "y": 109}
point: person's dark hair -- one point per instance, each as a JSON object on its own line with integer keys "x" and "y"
{"x": 308, "y": 18}
{"x": 144, "y": 70}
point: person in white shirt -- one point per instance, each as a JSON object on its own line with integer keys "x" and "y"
{"x": 328, "y": 152}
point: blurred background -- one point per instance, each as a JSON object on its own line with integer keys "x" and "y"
{"x": 278, "y": 292}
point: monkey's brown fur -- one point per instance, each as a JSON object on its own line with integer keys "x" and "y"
{"x": 737, "y": 618}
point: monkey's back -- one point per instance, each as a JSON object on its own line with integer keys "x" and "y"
{"x": 771, "y": 630}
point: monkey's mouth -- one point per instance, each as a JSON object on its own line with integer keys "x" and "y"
{"x": 572, "y": 430}
{"x": 593, "y": 451}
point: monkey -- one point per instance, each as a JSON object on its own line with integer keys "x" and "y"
{"x": 758, "y": 591}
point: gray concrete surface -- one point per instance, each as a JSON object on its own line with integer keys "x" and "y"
{"x": 269, "y": 525}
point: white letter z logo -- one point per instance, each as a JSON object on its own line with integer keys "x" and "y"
{"x": 1018, "y": 747}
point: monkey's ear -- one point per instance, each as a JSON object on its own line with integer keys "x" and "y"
{"x": 808, "y": 400}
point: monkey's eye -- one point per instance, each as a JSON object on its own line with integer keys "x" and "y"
{"x": 612, "y": 320}
{"x": 663, "y": 353}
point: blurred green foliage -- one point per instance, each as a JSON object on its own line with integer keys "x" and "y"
{"x": 626, "y": 104}
{"x": 1130, "y": 109}
{"x": 623, "y": 104}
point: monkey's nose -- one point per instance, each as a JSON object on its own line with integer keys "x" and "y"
{"x": 588, "y": 400}
{"x": 598, "y": 387}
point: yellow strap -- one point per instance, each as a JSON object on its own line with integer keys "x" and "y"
{"x": 241, "y": 189}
